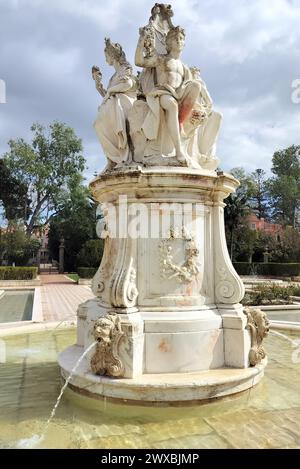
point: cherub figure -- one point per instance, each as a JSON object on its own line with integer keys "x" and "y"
{"x": 176, "y": 92}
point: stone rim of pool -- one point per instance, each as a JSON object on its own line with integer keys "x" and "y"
{"x": 158, "y": 388}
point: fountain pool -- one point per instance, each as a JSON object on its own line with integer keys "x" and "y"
{"x": 16, "y": 305}
{"x": 266, "y": 416}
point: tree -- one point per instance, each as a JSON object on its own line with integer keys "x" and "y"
{"x": 284, "y": 187}
{"x": 90, "y": 254}
{"x": 237, "y": 206}
{"x": 16, "y": 247}
{"x": 263, "y": 242}
{"x": 259, "y": 196}
{"x": 45, "y": 166}
{"x": 75, "y": 222}
{"x": 244, "y": 243}
{"x": 287, "y": 249}
{"x": 13, "y": 194}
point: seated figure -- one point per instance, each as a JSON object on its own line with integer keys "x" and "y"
{"x": 203, "y": 143}
{"x": 175, "y": 92}
{"x": 111, "y": 124}
{"x": 158, "y": 27}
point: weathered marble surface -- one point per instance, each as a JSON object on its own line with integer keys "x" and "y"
{"x": 185, "y": 305}
{"x": 180, "y": 387}
{"x": 163, "y": 116}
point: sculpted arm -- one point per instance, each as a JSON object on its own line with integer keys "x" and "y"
{"x": 121, "y": 87}
{"x": 97, "y": 77}
{"x": 206, "y": 96}
{"x": 125, "y": 84}
{"x": 140, "y": 59}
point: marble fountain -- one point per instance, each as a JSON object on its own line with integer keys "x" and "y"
{"x": 166, "y": 323}
{"x": 166, "y": 330}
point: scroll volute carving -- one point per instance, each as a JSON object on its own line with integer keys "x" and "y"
{"x": 124, "y": 293}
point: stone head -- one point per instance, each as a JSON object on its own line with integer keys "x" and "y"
{"x": 261, "y": 321}
{"x": 114, "y": 53}
{"x": 103, "y": 329}
{"x": 163, "y": 10}
{"x": 175, "y": 39}
{"x": 196, "y": 74}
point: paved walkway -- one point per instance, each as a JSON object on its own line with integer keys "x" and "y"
{"x": 60, "y": 297}
{"x": 55, "y": 278}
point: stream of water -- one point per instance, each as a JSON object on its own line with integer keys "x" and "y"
{"x": 36, "y": 439}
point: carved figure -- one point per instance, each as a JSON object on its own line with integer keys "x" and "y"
{"x": 111, "y": 124}
{"x": 175, "y": 93}
{"x": 155, "y": 39}
{"x": 108, "y": 333}
{"x": 259, "y": 326}
{"x": 162, "y": 117}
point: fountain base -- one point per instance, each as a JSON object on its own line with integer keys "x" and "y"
{"x": 156, "y": 388}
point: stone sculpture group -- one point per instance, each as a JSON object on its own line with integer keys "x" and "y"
{"x": 162, "y": 117}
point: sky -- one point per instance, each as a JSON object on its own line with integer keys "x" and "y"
{"x": 248, "y": 53}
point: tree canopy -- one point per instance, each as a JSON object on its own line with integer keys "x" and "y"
{"x": 45, "y": 167}
{"x": 259, "y": 195}
{"x": 13, "y": 194}
{"x": 75, "y": 222}
{"x": 284, "y": 186}
{"x": 237, "y": 205}
{"x": 276, "y": 199}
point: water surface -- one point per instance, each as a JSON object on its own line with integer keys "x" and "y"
{"x": 267, "y": 416}
{"x": 16, "y": 305}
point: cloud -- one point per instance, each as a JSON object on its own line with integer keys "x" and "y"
{"x": 248, "y": 53}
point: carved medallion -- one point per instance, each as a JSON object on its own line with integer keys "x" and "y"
{"x": 188, "y": 270}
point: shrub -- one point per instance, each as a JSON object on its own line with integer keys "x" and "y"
{"x": 274, "y": 269}
{"x": 18, "y": 273}
{"x": 90, "y": 254}
{"x": 86, "y": 272}
{"x": 268, "y": 294}
{"x": 294, "y": 290}
{"x": 242, "y": 268}
{"x": 17, "y": 247}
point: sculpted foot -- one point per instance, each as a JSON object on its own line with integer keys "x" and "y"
{"x": 181, "y": 157}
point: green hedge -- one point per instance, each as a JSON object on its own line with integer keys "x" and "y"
{"x": 18, "y": 273}
{"x": 86, "y": 272}
{"x": 275, "y": 269}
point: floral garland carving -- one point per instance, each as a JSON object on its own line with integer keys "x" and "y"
{"x": 186, "y": 272}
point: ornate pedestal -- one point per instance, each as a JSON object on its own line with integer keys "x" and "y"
{"x": 171, "y": 327}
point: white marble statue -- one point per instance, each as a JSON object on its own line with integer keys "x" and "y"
{"x": 176, "y": 92}
{"x": 203, "y": 144}
{"x": 188, "y": 127}
{"x": 111, "y": 124}
{"x": 163, "y": 118}
{"x": 158, "y": 27}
